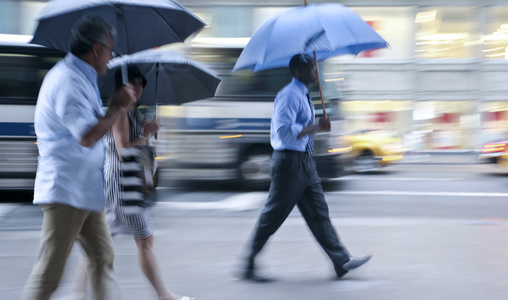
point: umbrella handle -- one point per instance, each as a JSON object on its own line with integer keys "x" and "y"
{"x": 125, "y": 76}
{"x": 319, "y": 85}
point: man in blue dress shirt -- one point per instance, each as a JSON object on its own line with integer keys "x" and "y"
{"x": 70, "y": 123}
{"x": 294, "y": 179}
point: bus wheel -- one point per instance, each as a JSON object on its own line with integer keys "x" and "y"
{"x": 254, "y": 168}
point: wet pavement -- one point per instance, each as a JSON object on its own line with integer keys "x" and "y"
{"x": 435, "y": 232}
{"x": 414, "y": 258}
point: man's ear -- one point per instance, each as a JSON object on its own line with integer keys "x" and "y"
{"x": 298, "y": 72}
{"x": 96, "y": 49}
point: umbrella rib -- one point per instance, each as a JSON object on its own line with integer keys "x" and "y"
{"x": 169, "y": 25}
{"x": 345, "y": 24}
{"x": 324, "y": 31}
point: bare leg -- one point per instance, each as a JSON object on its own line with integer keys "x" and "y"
{"x": 149, "y": 266}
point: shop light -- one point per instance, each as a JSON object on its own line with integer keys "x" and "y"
{"x": 334, "y": 79}
{"x": 496, "y": 55}
{"x": 493, "y": 49}
{"x": 493, "y": 150}
{"x": 445, "y": 36}
{"x": 426, "y": 16}
{"x": 490, "y": 148}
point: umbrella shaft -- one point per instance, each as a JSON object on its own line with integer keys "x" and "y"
{"x": 319, "y": 85}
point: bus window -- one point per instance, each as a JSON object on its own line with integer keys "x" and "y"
{"x": 21, "y": 75}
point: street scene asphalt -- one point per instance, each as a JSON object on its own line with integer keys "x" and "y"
{"x": 435, "y": 232}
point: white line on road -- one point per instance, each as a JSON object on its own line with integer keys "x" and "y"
{"x": 240, "y": 202}
{"x": 379, "y": 178}
{"x": 255, "y": 200}
{"x": 6, "y": 209}
{"x": 409, "y": 193}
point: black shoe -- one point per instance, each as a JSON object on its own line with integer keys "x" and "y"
{"x": 251, "y": 276}
{"x": 354, "y": 263}
{"x": 340, "y": 272}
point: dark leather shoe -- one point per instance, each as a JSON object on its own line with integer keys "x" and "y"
{"x": 251, "y": 276}
{"x": 354, "y": 263}
{"x": 340, "y": 272}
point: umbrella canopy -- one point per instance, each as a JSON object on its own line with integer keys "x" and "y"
{"x": 140, "y": 24}
{"x": 326, "y": 29}
{"x": 171, "y": 77}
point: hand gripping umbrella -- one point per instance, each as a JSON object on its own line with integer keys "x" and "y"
{"x": 324, "y": 31}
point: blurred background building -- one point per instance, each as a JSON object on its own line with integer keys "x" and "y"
{"x": 442, "y": 85}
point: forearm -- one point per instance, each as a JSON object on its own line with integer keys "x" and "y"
{"x": 102, "y": 127}
{"x": 308, "y": 130}
{"x": 142, "y": 140}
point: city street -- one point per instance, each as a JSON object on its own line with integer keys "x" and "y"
{"x": 436, "y": 231}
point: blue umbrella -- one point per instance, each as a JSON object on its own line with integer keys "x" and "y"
{"x": 327, "y": 30}
{"x": 324, "y": 31}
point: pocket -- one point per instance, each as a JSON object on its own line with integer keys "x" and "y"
{"x": 280, "y": 162}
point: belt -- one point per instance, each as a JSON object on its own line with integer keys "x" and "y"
{"x": 302, "y": 153}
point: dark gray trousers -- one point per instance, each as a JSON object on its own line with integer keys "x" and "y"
{"x": 295, "y": 182}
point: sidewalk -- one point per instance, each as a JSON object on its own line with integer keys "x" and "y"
{"x": 413, "y": 259}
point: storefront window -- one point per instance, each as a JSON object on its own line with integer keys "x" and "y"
{"x": 446, "y": 125}
{"x": 423, "y": 125}
{"x": 391, "y": 117}
{"x": 395, "y": 25}
{"x": 446, "y": 32}
{"x": 494, "y": 117}
{"x": 495, "y": 40}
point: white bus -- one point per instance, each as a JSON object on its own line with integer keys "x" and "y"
{"x": 22, "y": 69}
{"x": 227, "y": 137}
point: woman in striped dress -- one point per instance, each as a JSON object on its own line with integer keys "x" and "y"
{"x": 130, "y": 131}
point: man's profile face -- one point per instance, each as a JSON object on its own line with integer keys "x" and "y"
{"x": 106, "y": 54}
{"x": 308, "y": 73}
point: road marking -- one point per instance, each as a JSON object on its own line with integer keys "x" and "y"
{"x": 255, "y": 200}
{"x": 379, "y": 178}
{"x": 6, "y": 209}
{"x": 409, "y": 193}
{"x": 240, "y": 202}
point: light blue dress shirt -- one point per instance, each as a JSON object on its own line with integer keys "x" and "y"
{"x": 291, "y": 113}
{"x": 67, "y": 107}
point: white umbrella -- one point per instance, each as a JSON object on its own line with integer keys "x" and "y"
{"x": 171, "y": 77}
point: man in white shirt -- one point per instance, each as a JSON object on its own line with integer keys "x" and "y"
{"x": 70, "y": 123}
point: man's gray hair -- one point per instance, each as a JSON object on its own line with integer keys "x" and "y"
{"x": 87, "y": 31}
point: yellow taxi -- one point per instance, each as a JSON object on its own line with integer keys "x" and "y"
{"x": 373, "y": 149}
{"x": 502, "y": 159}
{"x": 493, "y": 151}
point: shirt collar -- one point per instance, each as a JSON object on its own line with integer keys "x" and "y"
{"x": 302, "y": 87}
{"x": 83, "y": 66}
